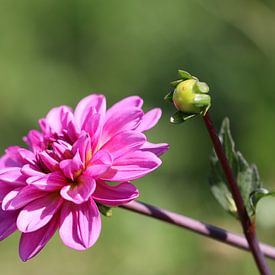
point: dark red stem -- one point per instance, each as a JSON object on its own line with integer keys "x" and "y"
{"x": 247, "y": 224}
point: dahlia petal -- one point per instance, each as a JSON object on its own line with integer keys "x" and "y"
{"x": 34, "y": 140}
{"x": 79, "y": 192}
{"x": 72, "y": 167}
{"x": 157, "y": 149}
{"x": 62, "y": 149}
{"x": 12, "y": 176}
{"x": 132, "y": 166}
{"x": 124, "y": 143}
{"x": 5, "y": 162}
{"x": 31, "y": 243}
{"x": 20, "y": 155}
{"x": 48, "y": 182}
{"x": 149, "y": 120}
{"x": 125, "y": 119}
{"x": 31, "y": 170}
{"x": 55, "y": 118}
{"x": 100, "y": 164}
{"x": 47, "y": 161}
{"x": 7, "y": 223}
{"x": 4, "y": 190}
{"x": 20, "y": 197}
{"x": 83, "y": 146}
{"x": 80, "y": 225}
{"x": 38, "y": 213}
{"x": 128, "y": 102}
{"x": 115, "y": 195}
{"x": 83, "y": 108}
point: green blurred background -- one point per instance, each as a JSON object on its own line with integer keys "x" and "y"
{"x": 56, "y": 52}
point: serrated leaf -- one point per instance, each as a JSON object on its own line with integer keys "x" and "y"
{"x": 246, "y": 175}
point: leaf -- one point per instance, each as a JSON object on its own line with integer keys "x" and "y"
{"x": 169, "y": 97}
{"x": 184, "y": 75}
{"x": 246, "y": 175}
{"x": 180, "y": 117}
{"x": 105, "y": 210}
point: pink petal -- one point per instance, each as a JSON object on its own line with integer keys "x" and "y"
{"x": 31, "y": 170}
{"x": 4, "y": 190}
{"x": 84, "y": 106}
{"x": 6, "y": 161}
{"x": 20, "y": 197}
{"x": 7, "y": 223}
{"x": 124, "y": 143}
{"x": 133, "y": 166}
{"x": 38, "y": 213}
{"x": 157, "y": 149}
{"x": 115, "y": 195}
{"x": 125, "y": 119}
{"x": 12, "y": 176}
{"x": 20, "y": 155}
{"x": 149, "y": 120}
{"x": 100, "y": 164}
{"x": 31, "y": 243}
{"x": 47, "y": 161}
{"x": 80, "y": 191}
{"x": 83, "y": 146}
{"x": 55, "y": 118}
{"x": 62, "y": 149}
{"x": 48, "y": 182}
{"x": 80, "y": 225}
{"x": 72, "y": 168}
{"x": 128, "y": 102}
{"x": 34, "y": 139}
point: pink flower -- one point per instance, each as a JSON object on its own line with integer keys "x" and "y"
{"x": 68, "y": 169}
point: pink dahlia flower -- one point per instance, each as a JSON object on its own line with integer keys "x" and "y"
{"x": 80, "y": 159}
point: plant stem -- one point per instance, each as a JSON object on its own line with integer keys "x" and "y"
{"x": 248, "y": 226}
{"x": 195, "y": 226}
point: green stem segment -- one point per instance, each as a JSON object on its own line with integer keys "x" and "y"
{"x": 247, "y": 224}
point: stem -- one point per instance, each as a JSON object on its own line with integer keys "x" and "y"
{"x": 248, "y": 226}
{"x": 195, "y": 226}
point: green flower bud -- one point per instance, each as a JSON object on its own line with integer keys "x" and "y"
{"x": 189, "y": 97}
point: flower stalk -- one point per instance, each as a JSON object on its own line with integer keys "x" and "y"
{"x": 247, "y": 225}
{"x": 196, "y": 226}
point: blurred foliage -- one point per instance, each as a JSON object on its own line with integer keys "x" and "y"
{"x": 56, "y": 52}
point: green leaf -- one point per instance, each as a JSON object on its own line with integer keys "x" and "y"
{"x": 257, "y": 195}
{"x": 184, "y": 75}
{"x": 246, "y": 175}
{"x": 176, "y": 82}
{"x": 169, "y": 97}
{"x": 180, "y": 117}
{"x": 105, "y": 210}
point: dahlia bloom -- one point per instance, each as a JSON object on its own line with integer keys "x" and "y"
{"x": 80, "y": 159}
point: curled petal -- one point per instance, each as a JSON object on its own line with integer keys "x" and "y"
{"x": 47, "y": 161}
{"x": 38, "y": 213}
{"x": 80, "y": 225}
{"x": 20, "y": 197}
{"x": 12, "y": 176}
{"x": 124, "y": 143}
{"x": 84, "y": 106}
{"x": 124, "y": 120}
{"x": 149, "y": 120}
{"x": 7, "y": 223}
{"x": 72, "y": 168}
{"x": 83, "y": 146}
{"x": 133, "y": 166}
{"x": 48, "y": 182}
{"x": 128, "y": 102}
{"x": 115, "y": 195}
{"x": 31, "y": 243}
{"x": 34, "y": 140}
{"x": 79, "y": 192}
{"x": 100, "y": 164}
{"x": 157, "y": 149}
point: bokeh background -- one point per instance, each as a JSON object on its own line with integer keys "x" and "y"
{"x": 56, "y": 52}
